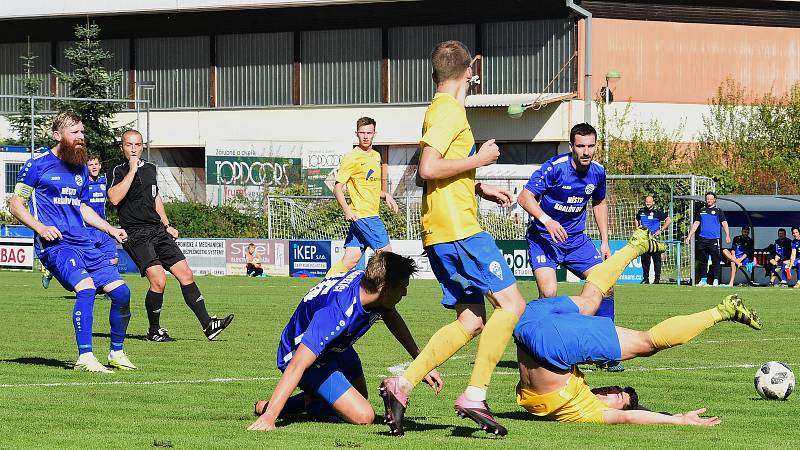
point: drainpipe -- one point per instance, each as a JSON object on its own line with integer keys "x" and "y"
{"x": 587, "y": 77}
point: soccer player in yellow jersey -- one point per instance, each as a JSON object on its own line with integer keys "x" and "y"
{"x": 360, "y": 171}
{"x": 556, "y": 334}
{"x": 464, "y": 258}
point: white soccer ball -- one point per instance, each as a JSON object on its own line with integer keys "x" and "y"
{"x": 774, "y": 381}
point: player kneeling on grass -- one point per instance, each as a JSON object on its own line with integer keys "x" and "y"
{"x": 556, "y": 334}
{"x": 316, "y": 350}
{"x": 58, "y": 212}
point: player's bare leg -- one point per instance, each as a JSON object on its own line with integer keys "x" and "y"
{"x": 546, "y": 282}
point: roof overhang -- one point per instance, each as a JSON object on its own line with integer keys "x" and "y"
{"x": 501, "y": 100}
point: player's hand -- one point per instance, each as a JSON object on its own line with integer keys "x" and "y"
{"x": 686, "y": 241}
{"x": 391, "y": 203}
{"x": 173, "y": 232}
{"x": 728, "y": 239}
{"x": 495, "y": 194}
{"x": 133, "y": 163}
{"x": 119, "y": 234}
{"x": 605, "y": 250}
{"x": 350, "y": 216}
{"x": 557, "y": 232}
{"x": 262, "y": 424}
{"x": 49, "y": 233}
{"x": 434, "y": 380}
{"x": 693, "y": 418}
{"x": 488, "y": 153}
{"x": 657, "y": 232}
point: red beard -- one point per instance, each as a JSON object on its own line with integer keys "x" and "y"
{"x": 74, "y": 154}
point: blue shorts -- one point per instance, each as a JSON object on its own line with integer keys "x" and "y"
{"x": 105, "y": 243}
{"x": 330, "y": 379}
{"x": 71, "y": 265}
{"x": 367, "y": 232}
{"x": 578, "y": 254}
{"x": 469, "y": 268}
{"x": 556, "y": 334}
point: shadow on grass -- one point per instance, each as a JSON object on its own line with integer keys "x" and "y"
{"x": 508, "y": 364}
{"x": 409, "y": 425}
{"x": 518, "y": 415}
{"x": 37, "y": 361}
{"x": 142, "y": 337}
{"x": 472, "y": 432}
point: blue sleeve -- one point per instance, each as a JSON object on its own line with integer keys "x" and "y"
{"x": 84, "y": 193}
{"x": 599, "y": 192}
{"x": 326, "y": 325}
{"x": 29, "y": 174}
{"x": 541, "y": 179}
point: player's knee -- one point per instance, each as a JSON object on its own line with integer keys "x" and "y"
{"x": 121, "y": 295}
{"x": 546, "y": 291}
{"x": 158, "y": 283}
{"x": 472, "y": 325}
{"x": 364, "y": 416}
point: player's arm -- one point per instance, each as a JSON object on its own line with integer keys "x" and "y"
{"x": 695, "y": 225}
{"x": 397, "y": 326}
{"x": 600, "y": 211}
{"x": 529, "y": 203}
{"x": 642, "y": 417}
{"x": 17, "y": 207}
{"x": 433, "y": 166}
{"x": 727, "y": 231}
{"x": 494, "y": 194}
{"x": 162, "y": 213}
{"x": 665, "y": 225}
{"x": 91, "y": 217}
{"x": 301, "y": 360}
{"x": 338, "y": 192}
{"x": 119, "y": 189}
{"x": 385, "y": 195}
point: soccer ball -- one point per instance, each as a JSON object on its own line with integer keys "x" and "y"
{"x": 774, "y": 381}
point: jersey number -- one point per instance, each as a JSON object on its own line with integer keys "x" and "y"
{"x": 321, "y": 289}
{"x": 541, "y": 259}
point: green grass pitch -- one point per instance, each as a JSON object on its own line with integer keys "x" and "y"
{"x": 194, "y": 394}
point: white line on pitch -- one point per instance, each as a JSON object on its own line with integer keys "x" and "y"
{"x": 725, "y": 341}
{"x": 134, "y": 383}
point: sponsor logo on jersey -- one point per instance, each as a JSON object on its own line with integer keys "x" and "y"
{"x": 494, "y": 267}
{"x": 566, "y": 187}
{"x": 589, "y": 188}
{"x": 79, "y": 180}
{"x": 55, "y": 178}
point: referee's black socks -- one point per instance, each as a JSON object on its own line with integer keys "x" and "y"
{"x": 194, "y": 300}
{"x": 152, "y": 304}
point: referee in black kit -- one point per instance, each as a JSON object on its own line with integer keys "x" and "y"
{"x": 709, "y": 220}
{"x": 133, "y": 189}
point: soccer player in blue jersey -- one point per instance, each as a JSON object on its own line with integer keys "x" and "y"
{"x": 740, "y": 254}
{"x": 316, "y": 348}
{"x": 780, "y": 260}
{"x": 794, "y": 260}
{"x": 710, "y": 220}
{"x": 651, "y": 217}
{"x": 54, "y": 184}
{"x": 556, "y": 197}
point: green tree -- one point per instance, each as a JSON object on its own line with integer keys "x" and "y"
{"x": 20, "y": 123}
{"x": 89, "y": 78}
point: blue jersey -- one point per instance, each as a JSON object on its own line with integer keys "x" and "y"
{"x": 710, "y": 221}
{"x": 55, "y": 189}
{"x": 796, "y": 248}
{"x": 651, "y": 218}
{"x": 563, "y": 193}
{"x": 742, "y": 245}
{"x": 783, "y": 249}
{"x": 328, "y": 320}
{"x": 95, "y": 195}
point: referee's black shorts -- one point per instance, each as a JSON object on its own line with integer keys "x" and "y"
{"x": 152, "y": 246}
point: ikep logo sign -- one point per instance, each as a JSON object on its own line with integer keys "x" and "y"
{"x": 309, "y": 258}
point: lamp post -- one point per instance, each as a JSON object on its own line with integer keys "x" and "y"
{"x": 144, "y": 86}
{"x": 612, "y": 76}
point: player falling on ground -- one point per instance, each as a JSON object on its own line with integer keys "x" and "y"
{"x": 151, "y": 240}
{"x": 54, "y": 185}
{"x": 556, "y": 334}
{"x": 556, "y": 197}
{"x": 316, "y": 348}
{"x": 360, "y": 171}
{"x": 464, "y": 258}
{"x": 95, "y": 193}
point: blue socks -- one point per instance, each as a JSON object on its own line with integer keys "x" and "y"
{"x": 606, "y": 308}
{"x": 119, "y": 315}
{"x": 82, "y": 319}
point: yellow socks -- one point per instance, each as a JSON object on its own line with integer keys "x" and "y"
{"x": 679, "y": 330}
{"x": 442, "y": 345}
{"x": 338, "y": 267}
{"x": 494, "y": 338}
{"x": 605, "y": 275}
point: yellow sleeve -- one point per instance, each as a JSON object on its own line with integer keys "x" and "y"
{"x": 442, "y": 129}
{"x": 345, "y": 170}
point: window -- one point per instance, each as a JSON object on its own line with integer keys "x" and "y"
{"x": 12, "y": 170}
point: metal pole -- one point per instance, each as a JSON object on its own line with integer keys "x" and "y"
{"x": 605, "y": 126}
{"x": 678, "y": 268}
{"x": 408, "y": 216}
{"x": 692, "y": 261}
{"x": 269, "y": 218}
{"x": 147, "y": 116}
{"x": 33, "y": 127}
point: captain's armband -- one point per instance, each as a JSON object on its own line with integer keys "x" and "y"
{"x": 23, "y": 191}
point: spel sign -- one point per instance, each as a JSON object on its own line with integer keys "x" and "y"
{"x": 16, "y": 253}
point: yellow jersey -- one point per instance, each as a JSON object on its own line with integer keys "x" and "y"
{"x": 572, "y": 403}
{"x": 360, "y": 171}
{"x": 449, "y": 206}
